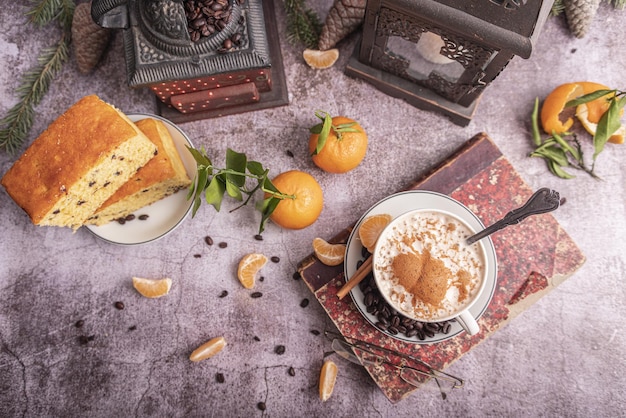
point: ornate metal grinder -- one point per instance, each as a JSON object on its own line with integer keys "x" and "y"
{"x": 200, "y": 58}
{"x": 441, "y": 54}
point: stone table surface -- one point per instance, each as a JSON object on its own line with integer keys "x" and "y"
{"x": 564, "y": 356}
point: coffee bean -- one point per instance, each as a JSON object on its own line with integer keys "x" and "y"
{"x": 219, "y": 377}
{"x": 279, "y": 349}
{"x": 82, "y": 339}
{"x": 256, "y": 338}
{"x": 292, "y": 371}
{"x": 262, "y": 278}
{"x": 256, "y": 295}
{"x": 258, "y": 237}
{"x": 197, "y": 256}
{"x": 143, "y": 217}
{"x": 296, "y": 276}
{"x": 261, "y": 406}
{"x": 121, "y": 221}
{"x": 304, "y": 303}
{"x": 132, "y": 328}
{"x": 79, "y": 323}
{"x": 129, "y": 218}
{"x": 315, "y": 332}
{"x": 119, "y": 305}
{"x": 223, "y": 294}
{"x": 275, "y": 259}
{"x": 222, "y": 244}
{"x": 228, "y": 44}
{"x": 208, "y": 240}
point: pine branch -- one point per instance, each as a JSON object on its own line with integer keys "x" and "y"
{"x": 34, "y": 85}
{"x": 14, "y": 127}
{"x": 303, "y": 24}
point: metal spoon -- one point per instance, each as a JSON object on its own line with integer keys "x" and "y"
{"x": 542, "y": 201}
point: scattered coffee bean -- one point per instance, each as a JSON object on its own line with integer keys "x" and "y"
{"x": 261, "y": 406}
{"x": 208, "y": 240}
{"x": 129, "y": 218}
{"x": 119, "y": 305}
{"x": 279, "y": 349}
{"x": 121, "y": 221}
{"x": 315, "y": 332}
{"x": 275, "y": 259}
{"x": 132, "y": 328}
{"x": 290, "y": 154}
{"x": 292, "y": 371}
{"x": 197, "y": 256}
{"x": 222, "y": 244}
{"x": 143, "y": 217}
{"x": 256, "y": 295}
{"x": 223, "y": 294}
{"x": 79, "y": 323}
{"x": 262, "y": 278}
{"x": 304, "y": 303}
{"x": 258, "y": 237}
{"x": 256, "y": 338}
{"x": 562, "y": 201}
{"x": 83, "y": 339}
{"x": 296, "y": 275}
{"x": 219, "y": 377}
{"x": 91, "y": 338}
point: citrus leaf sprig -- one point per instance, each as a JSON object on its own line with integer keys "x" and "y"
{"x": 214, "y": 183}
{"x": 564, "y": 150}
{"x": 14, "y": 127}
{"x": 324, "y": 128}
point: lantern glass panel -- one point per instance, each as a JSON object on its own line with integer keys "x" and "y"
{"x": 424, "y": 57}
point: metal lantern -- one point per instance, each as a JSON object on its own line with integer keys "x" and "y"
{"x": 201, "y": 59}
{"x": 440, "y": 55}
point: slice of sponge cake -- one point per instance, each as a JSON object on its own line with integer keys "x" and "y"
{"x": 162, "y": 176}
{"x": 77, "y": 163}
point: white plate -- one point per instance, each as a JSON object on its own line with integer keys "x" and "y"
{"x": 398, "y": 204}
{"x": 164, "y": 215}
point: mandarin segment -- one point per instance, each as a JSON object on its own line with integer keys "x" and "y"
{"x": 208, "y": 349}
{"x": 329, "y": 254}
{"x": 320, "y": 59}
{"x": 249, "y": 266}
{"x": 370, "y": 230}
{"x": 152, "y": 288}
{"x": 328, "y": 377}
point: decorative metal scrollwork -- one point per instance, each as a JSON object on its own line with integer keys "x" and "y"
{"x": 510, "y": 4}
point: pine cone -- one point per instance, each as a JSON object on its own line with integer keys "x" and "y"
{"x": 580, "y": 14}
{"x": 344, "y": 17}
{"x": 88, "y": 38}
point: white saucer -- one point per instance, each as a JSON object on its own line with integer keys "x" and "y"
{"x": 396, "y": 205}
{"x": 163, "y": 216}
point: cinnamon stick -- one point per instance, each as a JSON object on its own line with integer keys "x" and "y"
{"x": 356, "y": 278}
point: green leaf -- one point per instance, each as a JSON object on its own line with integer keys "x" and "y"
{"x": 200, "y": 156}
{"x": 535, "y": 123}
{"x": 558, "y": 171}
{"x": 317, "y": 129}
{"x": 607, "y": 125}
{"x": 267, "y": 208}
{"x": 256, "y": 168}
{"x": 236, "y": 161}
{"x": 215, "y": 193}
{"x": 589, "y": 97}
{"x": 233, "y": 190}
{"x": 323, "y": 136}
